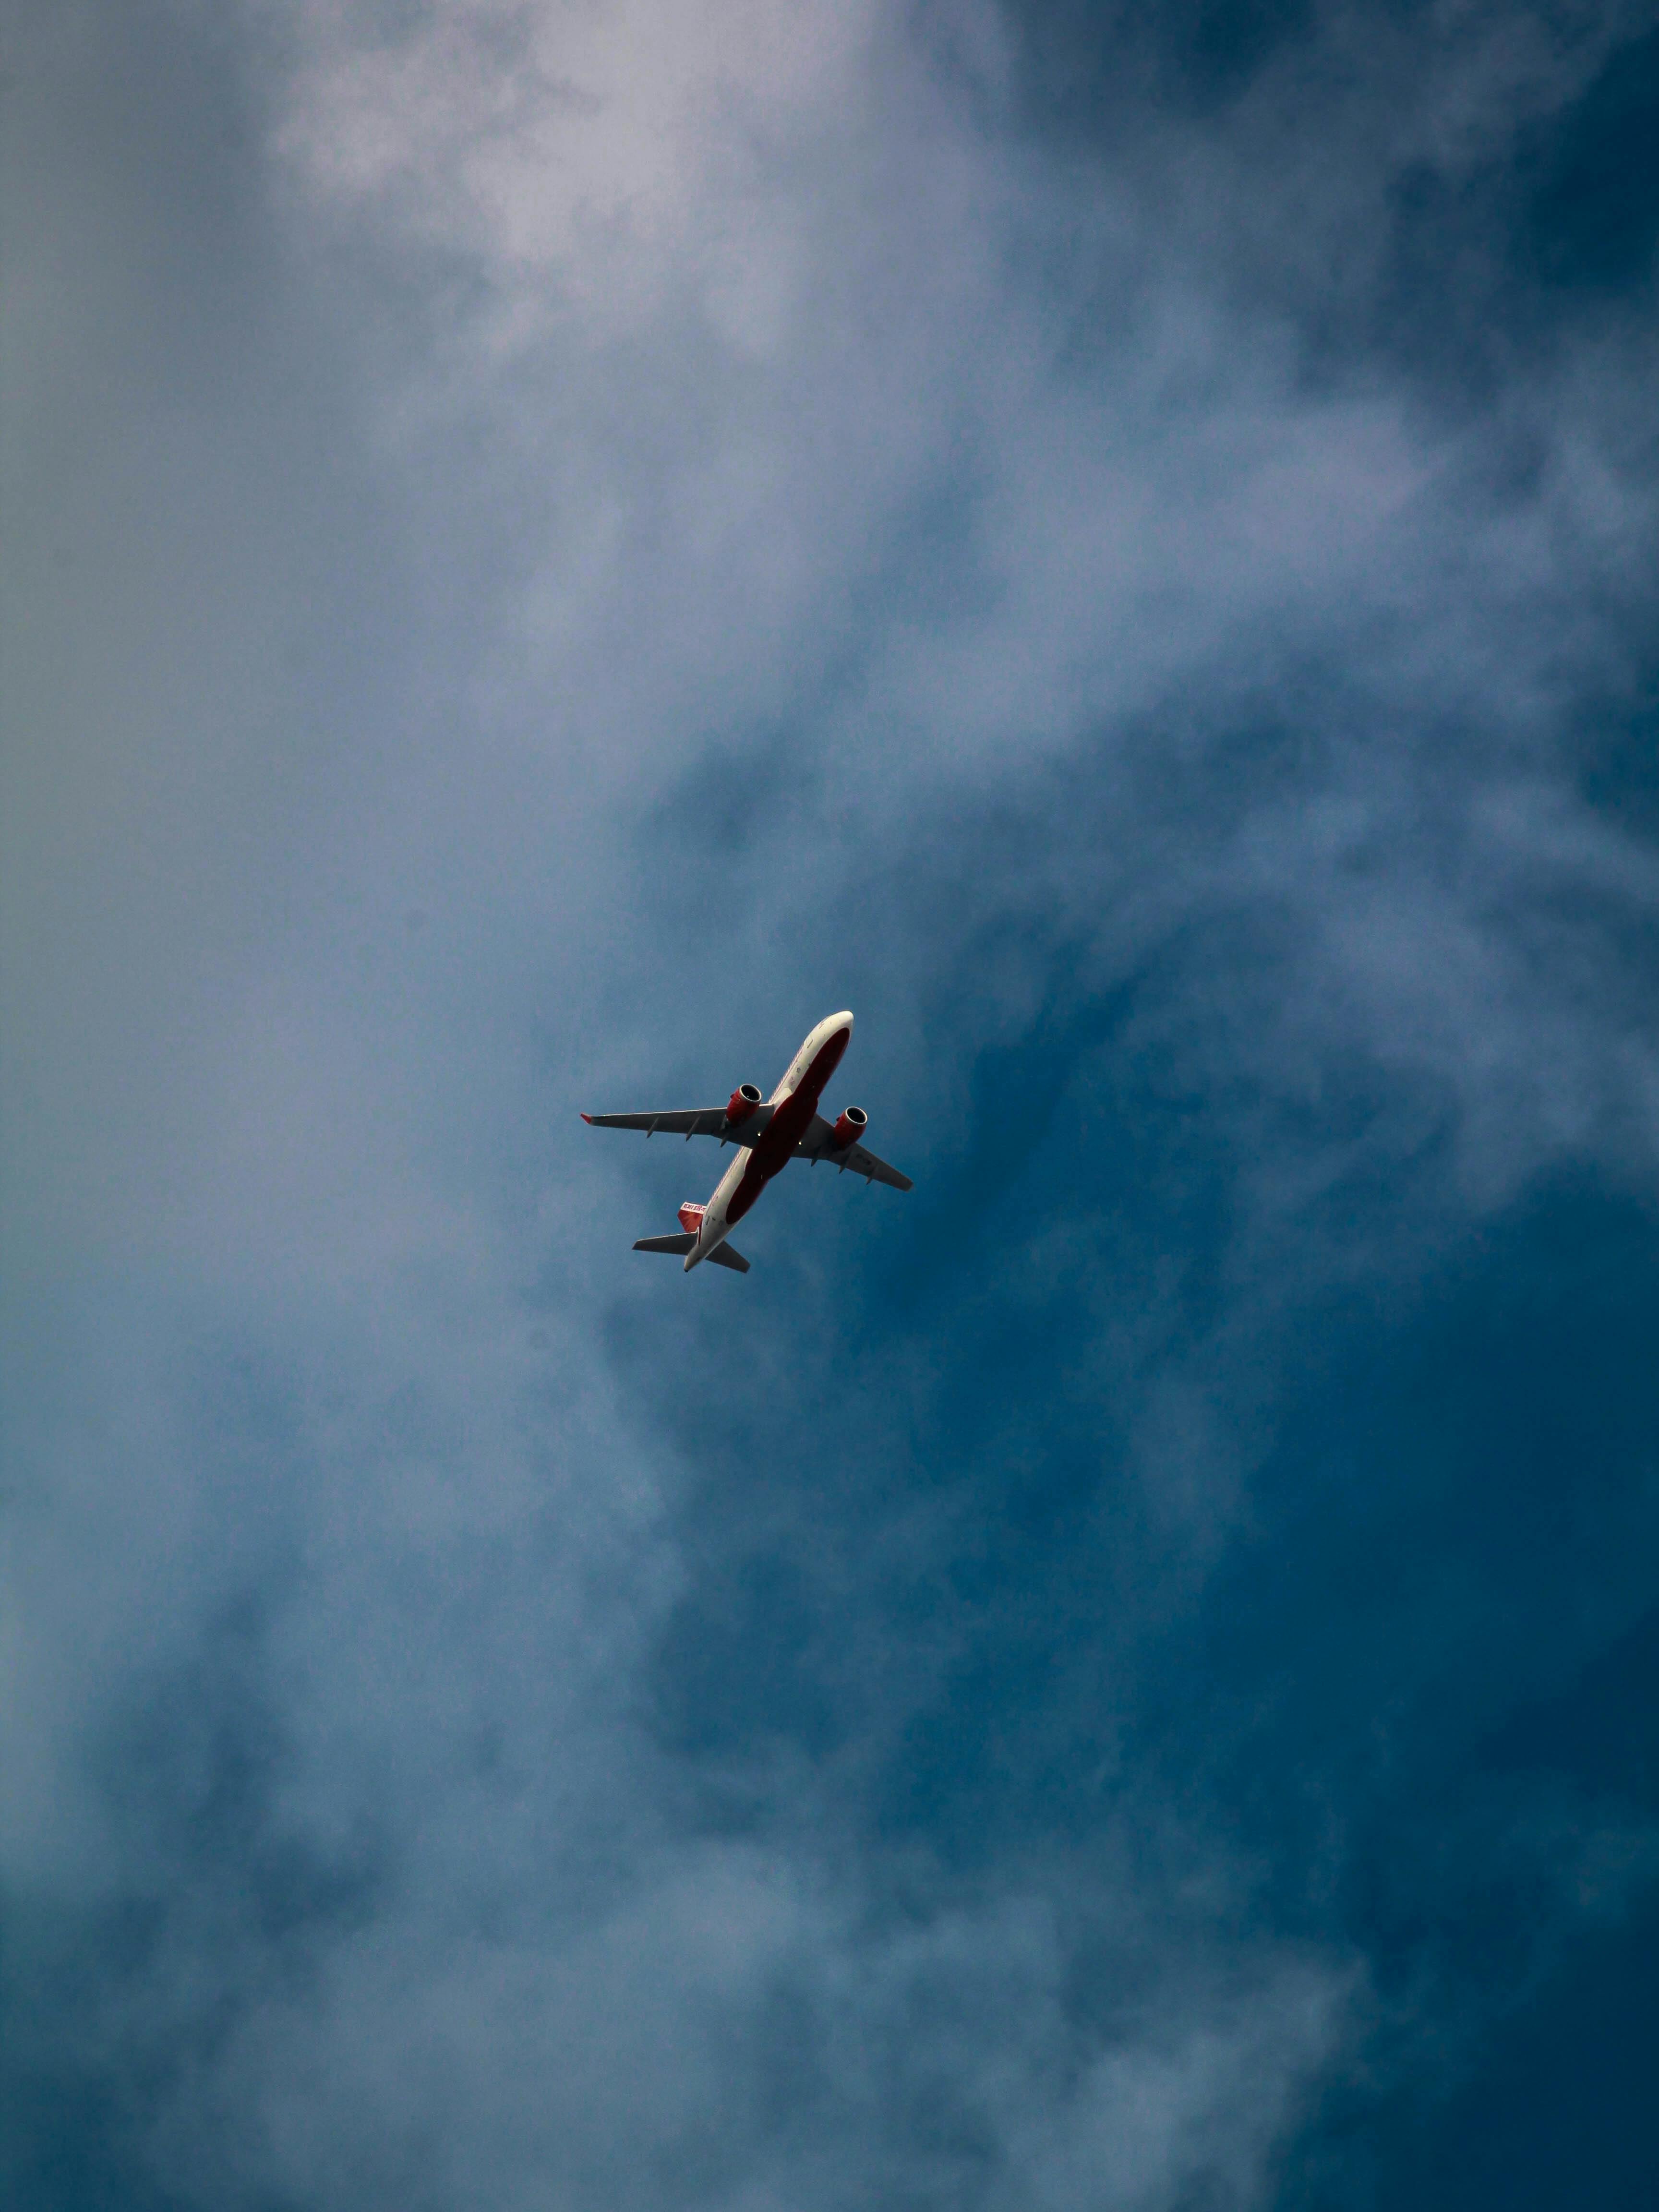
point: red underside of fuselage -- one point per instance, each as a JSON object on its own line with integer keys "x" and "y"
{"x": 786, "y": 1129}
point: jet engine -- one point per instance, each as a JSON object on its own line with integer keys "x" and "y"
{"x": 851, "y": 1123}
{"x": 741, "y": 1104}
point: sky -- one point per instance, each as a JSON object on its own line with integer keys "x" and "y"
{"x": 546, "y": 548}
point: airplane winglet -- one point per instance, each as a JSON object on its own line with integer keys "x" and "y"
{"x": 588, "y": 1118}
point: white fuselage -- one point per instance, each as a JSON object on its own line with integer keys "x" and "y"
{"x": 794, "y": 1102}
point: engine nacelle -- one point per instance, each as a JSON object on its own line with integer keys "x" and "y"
{"x": 851, "y": 1123}
{"x": 741, "y": 1104}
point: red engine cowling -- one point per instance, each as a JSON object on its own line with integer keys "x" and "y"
{"x": 741, "y": 1104}
{"x": 851, "y": 1123}
{"x": 692, "y": 1217}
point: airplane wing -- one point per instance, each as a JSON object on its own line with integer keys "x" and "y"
{"x": 818, "y": 1144}
{"x": 687, "y": 1121}
{"x": 710, "y": 1121}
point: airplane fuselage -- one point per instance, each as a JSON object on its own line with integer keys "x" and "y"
{"x": 794, "y": 1102}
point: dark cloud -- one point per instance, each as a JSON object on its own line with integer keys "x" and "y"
{"x": 1453, "y": 200}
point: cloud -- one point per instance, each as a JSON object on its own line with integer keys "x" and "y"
{"x": 1013, "y": 480}
{"x": 643, "y": 524}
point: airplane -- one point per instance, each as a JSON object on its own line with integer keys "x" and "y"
{"x": 788, "y": 1126}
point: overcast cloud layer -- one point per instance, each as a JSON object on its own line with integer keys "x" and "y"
{"x": 546, "y": 548}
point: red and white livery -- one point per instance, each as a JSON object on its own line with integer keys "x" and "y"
{"x": 787, "y": 1126}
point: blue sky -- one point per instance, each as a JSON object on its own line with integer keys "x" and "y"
{"x": 548, "y": 547}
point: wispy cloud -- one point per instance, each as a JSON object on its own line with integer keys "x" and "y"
{"x": 641, "y": 524}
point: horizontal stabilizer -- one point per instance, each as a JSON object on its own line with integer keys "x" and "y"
{"x": 721, "y": 1256}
